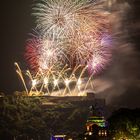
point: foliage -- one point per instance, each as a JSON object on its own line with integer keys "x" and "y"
{"x": 125, "y": 123}
{"x": 23, "y": 117}
{"x": 20, "y": 116}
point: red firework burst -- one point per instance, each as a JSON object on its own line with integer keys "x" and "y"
{"x": 32, "y": 53}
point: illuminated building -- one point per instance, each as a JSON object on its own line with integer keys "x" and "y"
{"x": 61, "y": 137}
{"x": 96, "y": 126}
{"x": 94, "y": 120}
{"x": 58, "y": 137}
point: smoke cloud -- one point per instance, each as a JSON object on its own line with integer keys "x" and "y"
{"x": 120, "y": 84}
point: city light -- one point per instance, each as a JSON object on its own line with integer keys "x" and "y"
{"x": 90, "y": 133}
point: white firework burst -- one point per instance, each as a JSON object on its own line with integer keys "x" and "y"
{"x": 63, "y": 18}
{"x": 51, "y": 54}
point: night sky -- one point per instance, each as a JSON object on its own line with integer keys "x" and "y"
{"x": 17, "y": 23}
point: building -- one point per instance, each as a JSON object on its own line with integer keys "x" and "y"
{"x": 96, "y": 125}
{"x": 58, "y": 137}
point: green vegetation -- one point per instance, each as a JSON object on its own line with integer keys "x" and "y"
{"x": 125, "y": 124}
{"x": 25, "y": 118}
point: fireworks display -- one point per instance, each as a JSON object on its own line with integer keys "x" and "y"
{"x": 72, "y": 33}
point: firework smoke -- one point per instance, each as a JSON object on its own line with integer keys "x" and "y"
{"x": 120, "y": 84}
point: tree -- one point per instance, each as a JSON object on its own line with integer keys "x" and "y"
{"x": 125, "y": 123}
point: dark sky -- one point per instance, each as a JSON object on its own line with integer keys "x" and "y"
{"x": 17, "y": 22}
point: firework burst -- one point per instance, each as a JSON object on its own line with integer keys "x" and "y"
{"x": 32, "y": 52}
{"x": 43, "y": 53}
{"x": 101, "y": 56}
{"x": 64, "y": 18}
{"x": 73, "y": 32}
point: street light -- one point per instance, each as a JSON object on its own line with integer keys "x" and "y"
{"x": 90, "y": 133}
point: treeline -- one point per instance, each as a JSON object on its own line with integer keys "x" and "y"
{"x": 25, "y": 118}
{"x": 125, "y": 124}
